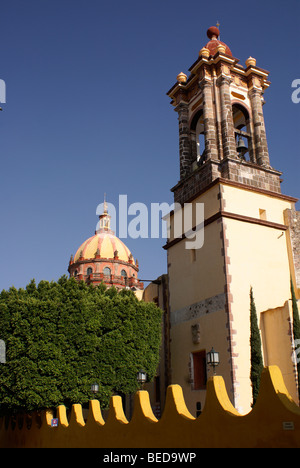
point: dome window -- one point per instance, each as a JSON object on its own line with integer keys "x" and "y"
{"x": 107, "y": 271}
{"x": 89, "y": 271}
{"x": 124, "y": 274}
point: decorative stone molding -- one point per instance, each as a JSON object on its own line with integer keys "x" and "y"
{"x": 196, "y": 335}
{"x": 210, "y": 305}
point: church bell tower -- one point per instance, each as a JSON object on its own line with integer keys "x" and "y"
{"x": 251, "y": 230}
{"x": 221, "y": 123}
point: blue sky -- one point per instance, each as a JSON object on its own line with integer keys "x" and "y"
{"x": 86, "y": 113}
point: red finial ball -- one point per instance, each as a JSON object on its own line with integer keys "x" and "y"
{"x": 213, "y": 31}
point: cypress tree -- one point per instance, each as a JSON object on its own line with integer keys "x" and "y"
{"x": 256, "y": 352}
{"x": 296, "y": 329}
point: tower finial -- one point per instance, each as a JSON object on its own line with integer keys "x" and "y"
{"x": 104, "y": 219}
{"x": 105, "y": 204}
{"x": 213, "y": 32}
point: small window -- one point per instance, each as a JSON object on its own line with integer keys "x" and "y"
{"x": 199, "y": 370}
{"x": 193, "y": 255}
{"x": 263, "y": 214}
{"x": 124, "y": 274}
{"x": 107, "y": 271}
{"x": 89, "y": 271}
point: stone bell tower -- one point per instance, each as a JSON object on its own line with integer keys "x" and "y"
{"x": 221, "y": 123}
{"x": 250, "y": 229}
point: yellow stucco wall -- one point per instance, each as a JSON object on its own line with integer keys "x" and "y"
{"x": 158, "y": 292}
{"x": 273, "y": 422}
{"x": 193, "y": 278}
{"x": 210, "y": 199}
{"x": 247, "y": 246}
{"x": 249, "y": 202}
{"x": 192, "y": 281}
{"x": 183, "y": 346}
{"x": 258, "y": 257}
{"x": 277, "y": 340}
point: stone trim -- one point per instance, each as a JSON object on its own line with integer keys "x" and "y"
{"x": 248, "y": 219}
{"x": 292, "y": 217}
{"x": 226, "y": 214}
{"x": 221, "y": 180}
{"x": 197, "y": 310}
{"x": 233, "y": 170}
{"x": 228, "y": 302}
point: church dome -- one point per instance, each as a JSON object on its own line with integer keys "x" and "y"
{"x": 213, "y": 34}
{"x": 106, "y": 245}
{"x": 104, "y": 258}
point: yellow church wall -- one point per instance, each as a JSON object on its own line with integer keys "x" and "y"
{"x": 274, "y": 422}
{"x": 210, "y": 200}
{"x": 182, "y": 347}
{"x": 158, "y": 293}
{"x": 139, "y": 294}
{"x": 196, "y": 275}
{"x": 197, "y": 285}
{"x": 249, "y": 203}
{"x": 277, "y": 339}
{"x": 245, "y": 244}
{"x": 290, "y": 252}
{"x": 256, "y": 256}
{"x": 151, "y": 293}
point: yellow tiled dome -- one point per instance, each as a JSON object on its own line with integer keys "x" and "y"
{"x": 105, "y": 244}
{"x": 104, "y": 258}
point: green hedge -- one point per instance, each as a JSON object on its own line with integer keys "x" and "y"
{"x": 63, "y": 336}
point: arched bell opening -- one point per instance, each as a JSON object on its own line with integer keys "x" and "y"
{"x": 242, "y": 130}
{"x": 198, "y": 138}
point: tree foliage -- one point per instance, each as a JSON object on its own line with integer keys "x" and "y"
{"x": 256, "y": 352}
{"x": 63, "y": 336}
{"x": 296, "y": 330}
{"x": 296, "y": 321}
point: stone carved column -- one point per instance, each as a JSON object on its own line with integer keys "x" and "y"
{"x": 210, "y": 134}
{"x": 227, "y": 125}
{"x": 260, "y": 138}
{"x": 184, "y": 140}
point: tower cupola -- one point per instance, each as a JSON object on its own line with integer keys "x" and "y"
{"x": 213, "y": 34}
{"x": 221, "y": 123}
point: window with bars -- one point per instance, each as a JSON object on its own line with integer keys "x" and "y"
{"x": 198, "y": 370}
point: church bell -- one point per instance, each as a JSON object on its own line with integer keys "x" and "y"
{"x": 241, "y": 147}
